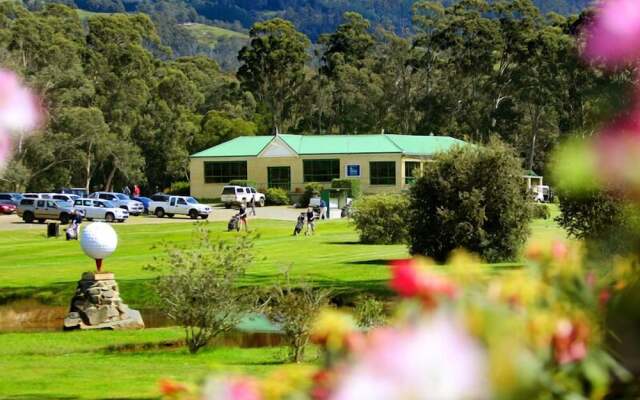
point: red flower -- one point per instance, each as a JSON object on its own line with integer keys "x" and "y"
{"x": 170, "y": 387}
{"x": 409, "y": 281}
{"x": 569, "y": 341}
{"x": 603, "y": 297}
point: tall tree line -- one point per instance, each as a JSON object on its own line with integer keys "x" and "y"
{"x": 121, "y": 112}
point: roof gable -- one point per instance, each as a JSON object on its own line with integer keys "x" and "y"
{"x": 278, "y": 148}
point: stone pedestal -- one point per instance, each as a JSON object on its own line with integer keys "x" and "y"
{"x": 97, "y": 305}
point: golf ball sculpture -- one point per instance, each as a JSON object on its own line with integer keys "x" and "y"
{"x": 98, "y": 240}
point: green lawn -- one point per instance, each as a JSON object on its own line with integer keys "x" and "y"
{"x": 88, "y": 365}
{"x": 118, "y": 364}
{"x": 34, "y": 266}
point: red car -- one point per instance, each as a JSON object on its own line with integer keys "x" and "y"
{"x": 7, "y": 208}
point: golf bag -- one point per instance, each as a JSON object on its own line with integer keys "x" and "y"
{"x": 234, "y": 224}
{"x": 70, "y": 232}
{"x": 299, "y": 226}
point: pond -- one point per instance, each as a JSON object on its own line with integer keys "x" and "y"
{"x": 33, "y": 316}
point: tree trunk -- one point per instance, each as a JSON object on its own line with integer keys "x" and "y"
{"x": 109, "y": 184}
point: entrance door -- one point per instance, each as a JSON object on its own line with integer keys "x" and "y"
{"x": 280, "y": 177}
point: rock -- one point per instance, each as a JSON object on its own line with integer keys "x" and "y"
{"x": 97, "y": 305}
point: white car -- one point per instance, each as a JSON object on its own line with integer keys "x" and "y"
{"x": 69, "y": 199}
{"x": 179, "y": 205}
{"x": 239, "y": 194}
{"x": 101, "y": 209}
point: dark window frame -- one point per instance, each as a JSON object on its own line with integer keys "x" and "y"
{"x": 379, "y": 173}
{"x": 224, "y": 171}
{"x": 314, "y": 171}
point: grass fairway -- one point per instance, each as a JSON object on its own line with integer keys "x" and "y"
{"x": 85, "y": 365}
{"x": 34, "y": 266}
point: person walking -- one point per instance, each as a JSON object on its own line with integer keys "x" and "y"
{"x": 311, "y": 224}
{"x": 323, "y": 209}
{"x": 126, "y": 190}
{"x": 136, "y": 190}
{"x": 242, "y": 215}
{"x": 252, "y": 203}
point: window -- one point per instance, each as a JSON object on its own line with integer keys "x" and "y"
{"x": 321, "y": 170}
{"x": 225, "y": 171}
{"x": 411, "y": 171}
{"x": 182, "y": 202}
{"x": 382, "y": 172}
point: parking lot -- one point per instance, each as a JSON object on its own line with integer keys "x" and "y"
{"x": 11, "y": 222}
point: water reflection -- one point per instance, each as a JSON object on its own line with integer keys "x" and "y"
{"x": 33, "y": 316}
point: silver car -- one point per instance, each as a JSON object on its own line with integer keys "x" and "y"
{"x": 120, "y": 200}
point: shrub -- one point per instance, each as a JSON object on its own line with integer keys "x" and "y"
{"x": 355, "y": 189}
{"x": 180, "y": 188}
{"x": 601, "y": 217}
{"x": 243, "y": 182}
{"x": 310, "y": 190}
{"x": 381, "y": 218}
{"x": 277, "y": 197}
{"x": 369, "y": 312}
{"x": 470, "y": 197}
{"x": 295, "y": 309}
{"x": 540, "y": 211}
{"x": 199, "y": 285}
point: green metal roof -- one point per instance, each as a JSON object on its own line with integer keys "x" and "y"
{"x": 243, "y": 146}
{"x": 335, "y": 144}
{"x": 531, "y": 173}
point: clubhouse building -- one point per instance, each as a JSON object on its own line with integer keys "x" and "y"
{"x": 383, "y": 163}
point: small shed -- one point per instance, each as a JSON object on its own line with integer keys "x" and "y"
{"x": 532, "y": 179}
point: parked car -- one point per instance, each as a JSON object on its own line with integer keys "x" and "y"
{"x": 7, "y": 207}
{"x": 69, "y": 199}
{"x": 43, "y": 209}
{"x": 100, "y": 209}
{"x": 120, "y": 200}
{"x": 179, "y": 205}
{"x": 233, "y": 195}
{"x": 13, "y": 198}
{"x": 145, "y": 202}
{"x": 542, "y": 194}
{"x": 38, "y": 195}
{"x": 79, "y": 192}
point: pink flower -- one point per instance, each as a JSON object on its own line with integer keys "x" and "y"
{"x": 5, "y": 148}
{"x": 232, "y": 389}
{"x": 613, "y": 37}
{"x": 618, "y": 150}
{"x": 409, "y": 280}
{"x": 436, "y": 359}
{"x": 559, "y": 251}
{"x": 569, "y": 341}
{"x": 19, "y": 108}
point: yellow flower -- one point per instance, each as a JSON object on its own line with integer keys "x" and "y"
{"x": 331, "y": 329}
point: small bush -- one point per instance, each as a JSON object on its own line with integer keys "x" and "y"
{"x": 369, "y": 312}
{"x": 243, "y": 182}
{"x": 310, "y": 190}
{"x": 541, "y": 211}
{"x": 277, "y": 197}
{"x": 471, "y": 197}
{"x": 295, "y": 307}
{"x": 382, "y": 218}
{"x": 355, "y": 189}
{"x": 179, "y": 188}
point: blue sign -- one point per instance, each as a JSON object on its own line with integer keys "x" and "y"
{"x": 353, "y": 170}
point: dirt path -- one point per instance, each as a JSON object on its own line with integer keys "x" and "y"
{"x": 12, "y": 222}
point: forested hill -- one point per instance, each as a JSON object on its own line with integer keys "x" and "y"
{"x": 312, "y": 17}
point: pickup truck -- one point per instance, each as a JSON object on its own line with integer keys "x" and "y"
{"x": 42, "y": 209}
{"x": 232, "y": 195}
{"x": 179, "y": 205}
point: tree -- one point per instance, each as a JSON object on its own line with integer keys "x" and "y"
{"x": 273, "y": 68}
{"x": 349, "y": 44}
{"x": 199, "y": 286}
{"x": 470, "y": 197}
{"x": 295, "y": 309}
